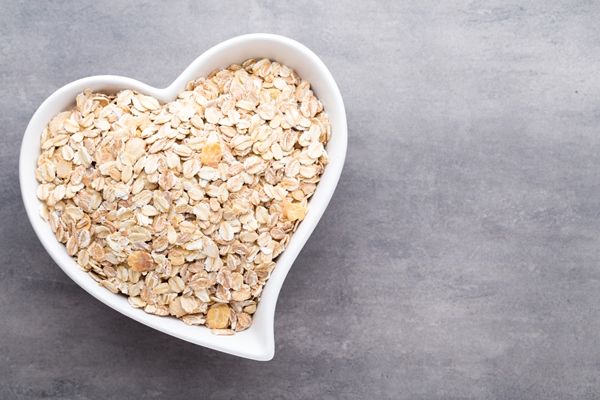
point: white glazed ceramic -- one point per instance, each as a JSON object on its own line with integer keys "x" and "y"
{"x": 258, "y": 341}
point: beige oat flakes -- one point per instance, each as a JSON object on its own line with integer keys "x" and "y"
{"x": 184, "y": 207}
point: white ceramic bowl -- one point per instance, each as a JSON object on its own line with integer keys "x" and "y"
{"x": 258, "y": 341}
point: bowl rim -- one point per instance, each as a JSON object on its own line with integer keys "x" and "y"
{"x": 257, "y": 342}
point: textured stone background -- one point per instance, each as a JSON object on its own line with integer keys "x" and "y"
{"x": 458, "y": 259}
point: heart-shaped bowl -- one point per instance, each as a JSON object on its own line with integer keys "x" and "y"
{"x": 257, "y": 342}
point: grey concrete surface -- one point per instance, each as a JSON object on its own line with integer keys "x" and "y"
{"x": 460, "y": 256}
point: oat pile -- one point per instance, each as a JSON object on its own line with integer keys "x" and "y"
{"x": 183, "y": 207}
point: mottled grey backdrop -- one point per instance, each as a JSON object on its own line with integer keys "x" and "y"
{"x": 459, "y": 258}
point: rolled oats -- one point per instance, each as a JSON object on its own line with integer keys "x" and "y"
{"x": 184, "y": 207}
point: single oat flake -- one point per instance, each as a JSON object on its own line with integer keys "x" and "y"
{"x": 184, "y": 207}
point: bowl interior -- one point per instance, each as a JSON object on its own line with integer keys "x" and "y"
{"x": 257, "y": 342}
